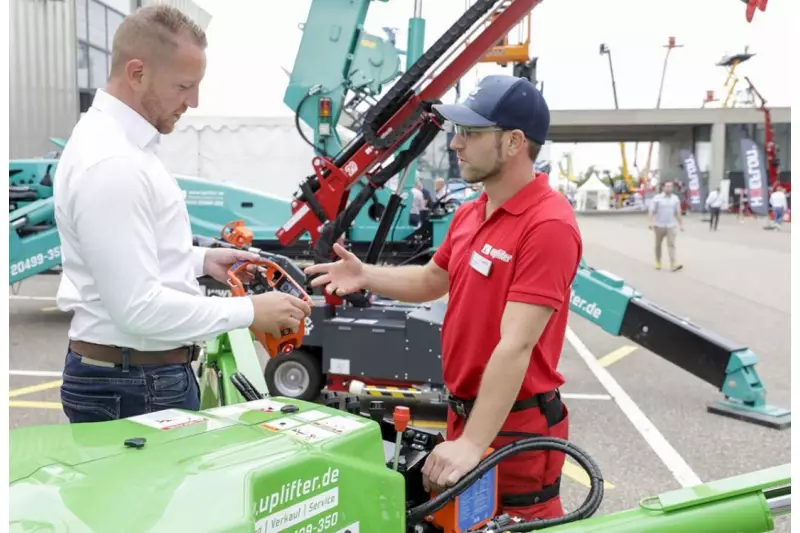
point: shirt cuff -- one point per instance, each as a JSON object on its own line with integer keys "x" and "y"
{"x": 241, "y": 311}
{"x": 199, "y": 259}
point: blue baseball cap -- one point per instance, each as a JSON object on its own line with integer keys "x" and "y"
{"x": 505, "y": 102}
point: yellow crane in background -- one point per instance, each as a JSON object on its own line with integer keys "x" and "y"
{"x": 731, "y": 62}
{"x": 605, "y": 50}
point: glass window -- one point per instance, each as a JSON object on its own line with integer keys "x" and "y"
{"x": 80, "y": 18}
{"x": 97, "y": 24}
{"x": 114, "y": 20}
{"x": 99, "y": 71}
{"x": 83, "y": 65}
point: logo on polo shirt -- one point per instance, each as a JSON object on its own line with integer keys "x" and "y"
{"x": 496, "y": 253}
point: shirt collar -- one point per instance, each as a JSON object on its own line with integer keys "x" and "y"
{"x": 530, "y": 195}
{"x": 137, "y": 128}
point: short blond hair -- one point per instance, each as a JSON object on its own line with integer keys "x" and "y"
{"x": 152, "y": 32}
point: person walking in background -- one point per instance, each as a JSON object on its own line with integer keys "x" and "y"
{"x": 663, "y": 218}
{"x": 714, "y": 205}
{"x": 778, "y": 202}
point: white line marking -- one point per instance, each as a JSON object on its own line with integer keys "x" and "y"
{"x": 35, "y": 373}
{"x": 32, "y": 298}
{"x": 578, "y": 396}
{"x": 671, "y": 459}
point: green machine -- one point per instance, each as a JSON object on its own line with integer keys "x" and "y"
{"x": 251, "y": 463}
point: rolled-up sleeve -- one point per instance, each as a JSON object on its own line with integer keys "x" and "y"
{"x": 119, "y": 246}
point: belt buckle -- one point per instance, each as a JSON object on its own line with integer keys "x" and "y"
{"x": 458, "y": 407}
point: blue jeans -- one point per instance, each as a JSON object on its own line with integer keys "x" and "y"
{"x": 779, "y": 212}
{"x": 97, "y": 392}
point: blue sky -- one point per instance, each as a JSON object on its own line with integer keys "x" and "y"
{"x": 251, "y": 40}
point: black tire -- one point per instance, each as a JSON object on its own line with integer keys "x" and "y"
{"x": 300, "y": 365}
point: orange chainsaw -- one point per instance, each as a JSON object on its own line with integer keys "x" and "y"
{"x": 266, "y": 277}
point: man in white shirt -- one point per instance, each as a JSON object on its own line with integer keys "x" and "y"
{"x": 129, "y": 269}
{"x": 714, "y": 206}
{"x": 663, "y": 218}
{"x": 417, "y": 205}
{"x": 778, "y": 202}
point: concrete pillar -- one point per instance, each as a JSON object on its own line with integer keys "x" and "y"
{"x": 718, "y": 146}
{"x": 669, "y": 154}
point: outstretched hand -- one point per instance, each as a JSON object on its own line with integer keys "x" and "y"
{"x": 341, "y": 277}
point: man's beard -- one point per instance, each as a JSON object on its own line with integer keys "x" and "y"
{"x": 483, "y": 176}
{"x": 154, "y": 111}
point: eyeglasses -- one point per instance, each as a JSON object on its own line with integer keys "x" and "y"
{"x": 464, "y": 131}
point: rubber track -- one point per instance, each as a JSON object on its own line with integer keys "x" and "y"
{"x": 374, "y": 118}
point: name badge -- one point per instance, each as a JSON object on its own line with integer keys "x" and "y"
{"x": 480, "y": 263}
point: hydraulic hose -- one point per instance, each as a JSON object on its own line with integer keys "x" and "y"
{"x": 587, "y": 508}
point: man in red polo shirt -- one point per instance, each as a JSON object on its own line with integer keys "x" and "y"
{"x": 508, "y": 263}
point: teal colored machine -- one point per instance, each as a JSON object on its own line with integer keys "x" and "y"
{"x": 607, "y": 301}
{"x": 339, "y": 71}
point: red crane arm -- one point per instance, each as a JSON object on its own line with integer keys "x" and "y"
{"x": 334, "y": 177}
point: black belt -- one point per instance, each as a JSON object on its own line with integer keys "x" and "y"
{"x": 552, "y": 410}
{"x": 527, "y": 499}
{"x": 549, "y": 403}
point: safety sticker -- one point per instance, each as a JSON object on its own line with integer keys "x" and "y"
{"x": 280, "y": 424}
{"x": 339, "y": 424}
{"x": 311, "y": 433}
{"x": 311, "y": 416}
{"x": 168, "y": 419}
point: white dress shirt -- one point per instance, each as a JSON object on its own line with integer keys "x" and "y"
{"x": 129, "y": 268}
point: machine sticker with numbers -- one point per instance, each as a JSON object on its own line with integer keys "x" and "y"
{"x": 35, "y": 260}
{"x": 168, "y": 419}
{"x": 280, "y": 424}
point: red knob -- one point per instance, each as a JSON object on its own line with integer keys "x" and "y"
{"x": 401, "y": 417}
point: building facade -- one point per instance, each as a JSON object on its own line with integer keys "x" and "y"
{"x": 59, "y": 56}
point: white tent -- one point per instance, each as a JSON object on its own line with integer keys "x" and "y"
{"x": 593, "y": 195}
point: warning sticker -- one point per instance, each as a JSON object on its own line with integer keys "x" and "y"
{"x": 339, "y": 424}
{"x": 311, "y": 416}
{"x": 279, "y": 424}
{"x": 168, "y": 419}
{"x": 311, "y": 433}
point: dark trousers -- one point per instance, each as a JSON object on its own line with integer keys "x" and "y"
{"x": 94, "y": 391}
{"x": 714, "y": 222}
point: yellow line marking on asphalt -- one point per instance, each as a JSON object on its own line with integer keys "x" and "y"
{"x": 430, "y": 424}
{"x": 571, "y": 470}
{"x": 49, "y": 309}
{"x": 616, "y": 355}
{"x": 34, "y": 388}
{"x": 35, "y": 405}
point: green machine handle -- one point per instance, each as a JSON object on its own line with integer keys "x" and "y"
{"x": 747, "y": 503}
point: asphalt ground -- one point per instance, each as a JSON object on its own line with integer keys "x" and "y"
{"x": 641, "y": 418}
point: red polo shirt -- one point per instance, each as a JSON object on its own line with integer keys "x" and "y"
{"x": 533, "y": 247}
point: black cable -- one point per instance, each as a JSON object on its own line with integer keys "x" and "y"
{"x": 587, "y": 508}
{"x": 311, "y": 92}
